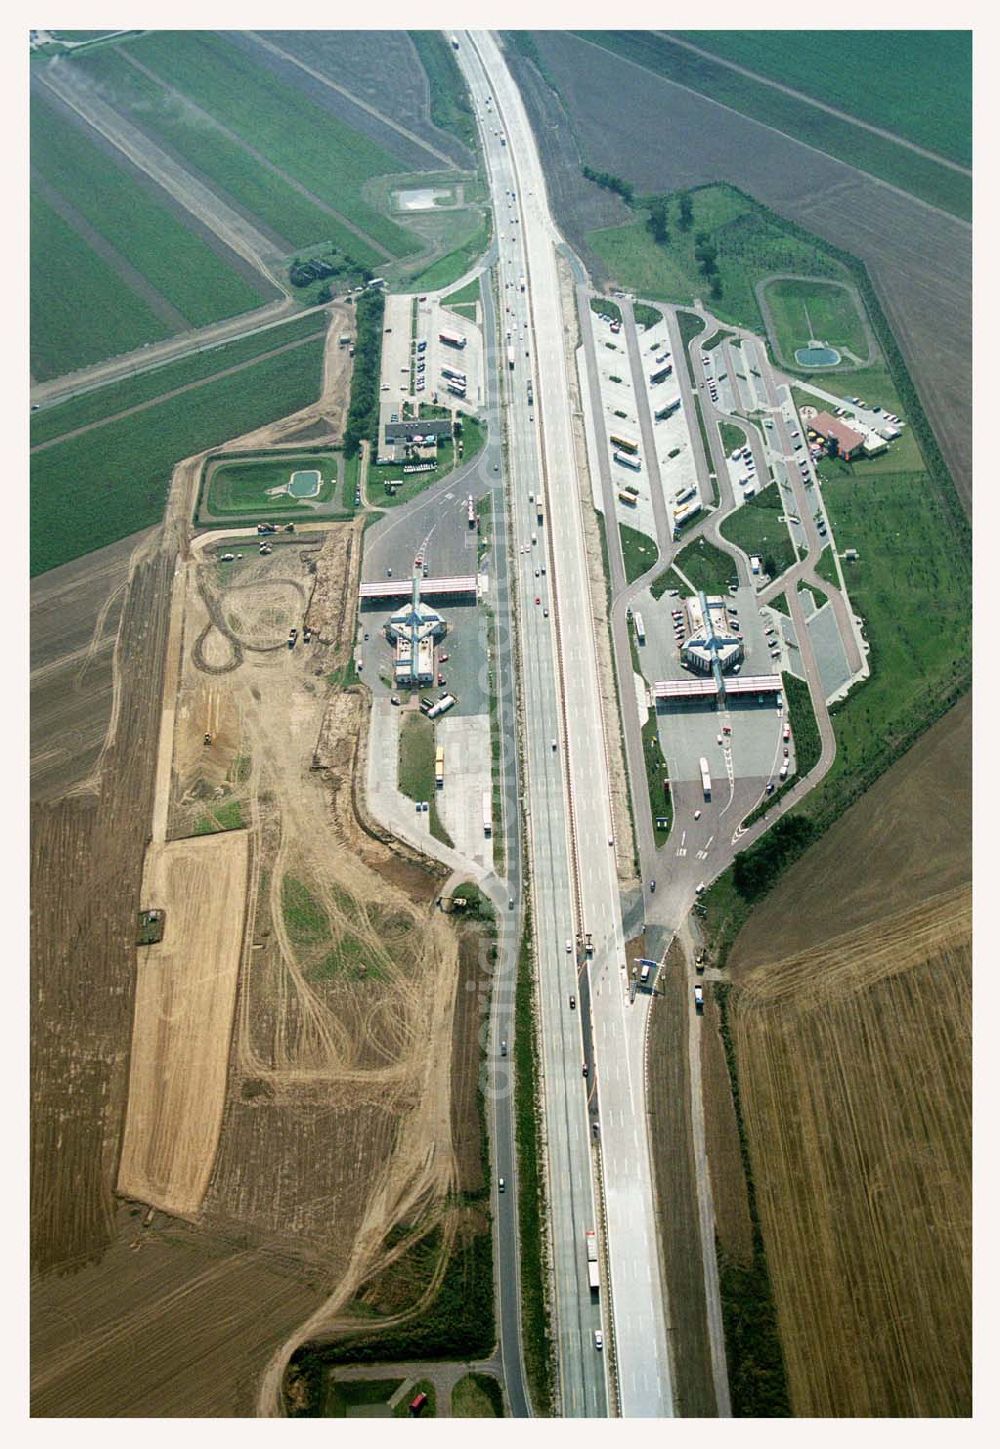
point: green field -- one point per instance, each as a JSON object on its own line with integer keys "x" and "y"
{"x": 755, "y": 528}
{"x": 919, "y": 175}
{"x": 915, "y": 83}
{"x": 750, "y": 243}
{"x": 732, "y": 437}
{"x": 176, "y": 261}
{"x": 706, "y": 566}
{"x": 646, "y": 316}
{"x": 912, "y": 587}
{"x": 222, "y": 160}
{"x": 304, "y": 141}
{"x": 466, "y": 294}
{"x": 639, "y": 552}
{"x": 804, "y": 310}
{"x": 143, "y": 387}
{"x": 232, "y": 487}
{"x": 106, "y": 484}
{"x": 64, "y": 335}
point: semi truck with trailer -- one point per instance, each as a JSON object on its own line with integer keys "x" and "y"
{"x": 451, "y": 339}
{"x": 661, "y": 374}
{"x": 640, "y": 628}
{"x": 487, "y": 813}
{"x": 667, "y": 411}
{"x": 510, "y": 357}
{"x": 453, "y": 374}
{"x": 593, "y": 1266}
{"x": 627, "y": 460}
{"x": 439, "y": 767}
{"x": 442, "y": 706}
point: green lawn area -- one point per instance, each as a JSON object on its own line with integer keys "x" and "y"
{"x": 922, "y": 177}
{"x": 915, "y": 83}
{"x": 639, "y": 552}
{"x": 242, "y": 487}
{"x": 826, "y": 567}
{"x": 804, "y": 310}
{"x": 645, "y": 315}
{"x": 750, "y": 244}
{"x": 604, "y": 307}
{"x": 719, "y": 335}
{"x": 64, "y": 335}
{"x": 477, "y": 1396}
{"x": 667, "y": 580}
{"x": 756, "y": 529}
{"x": 106, "y": 484}
{"x": 473, "y": 439}
{"x": 294, "y": 133}
{"x": 306, "y": 921}
{"x": 342, "y": 1394}
{"x": 460, "y": 259}
{"x": 911, "y": 585}
{"x": 177, "y": 261}
{"x": 706, "y": 566}
{"x": 468, "y": 293}
{"x": 416, "y": 767}
{"x": 225, "y": 816}
{"x": 732, "y": 437}
{"x": 91, "y": 407}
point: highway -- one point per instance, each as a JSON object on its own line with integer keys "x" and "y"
{"x": 569, "y": 836}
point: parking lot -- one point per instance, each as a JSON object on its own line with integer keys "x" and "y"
{"x": 621, "y": 417}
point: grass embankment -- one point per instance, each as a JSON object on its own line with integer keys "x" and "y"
{"x": 536, "y": 1335}
{"x": 661, "y": 804}
{"x": 496, "y": 743}
{"x": 416, "y": 768}
{"x": 105, "y": 484}
{"x": 477, "y": 1396}
{"x": 732, "y": 437}
{"x": 919, "y": 175}
{"x": 757, "y": 528}
{"x": 691, "y": 327}
{"x": 639, "y": 552}
{"x": 757, "y": 1383}
{"x": 719, "y": 335}
{"x": 915, "y": 83}
{"x": 461, "y": 258}
{"x": 826, "y": 567}
{"x": 451, "y": 107}
{"x": 802, "y": 311}
{"x": 244, "y": 488}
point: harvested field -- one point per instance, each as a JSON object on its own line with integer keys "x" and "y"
{"x": 906, "y": 839}
{"x": 677, "y": 1204}
{"x": 466, "y": 1049}
{"x": 664, "y": 137}
{"x": 173, "y": 1321}
{"x": 855, "y": 1073}
{"x": 184, "y": 996}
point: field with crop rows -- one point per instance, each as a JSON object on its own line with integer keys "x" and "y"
{"x": 306, "y": 143}
{"x": 111, "y": 481}
{"x": 64, "y": 335}
{"x": 855, "y": 1078}
{"x": 915, "y": 83}
{"x": 177, "y": 263}
{"x": 921, "y": 176}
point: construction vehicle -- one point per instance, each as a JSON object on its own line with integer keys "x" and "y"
{"x": 699, "y": 997}
{"x": 208, "y": 738}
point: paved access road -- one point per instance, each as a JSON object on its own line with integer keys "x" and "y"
{"x": 570, "y": 828}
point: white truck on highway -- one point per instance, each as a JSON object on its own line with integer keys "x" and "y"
{"x": 593, "y": 1266}
{"x": 510, "y": 357}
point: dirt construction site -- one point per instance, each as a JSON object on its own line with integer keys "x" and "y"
{"x": 252, "y": 1104}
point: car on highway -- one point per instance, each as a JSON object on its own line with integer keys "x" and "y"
{"x": 545, "y": 612}
{"x": 503, "y": 1047}
{"x": 598, "y": 1339}
{"x": 569, "y": 945}
{"x": 586, "y": 1069}
{"x": 501, "y": 1185}
{"x": 572, "y": 1003}
{"x": 697, "y": 814}
{"x": 537, "y": 599}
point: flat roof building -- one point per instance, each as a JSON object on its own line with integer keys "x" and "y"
{"x": 418, "y": 429}
{"x": 849, "y": 442}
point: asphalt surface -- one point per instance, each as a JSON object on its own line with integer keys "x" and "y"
{"x": 570, "y": 828}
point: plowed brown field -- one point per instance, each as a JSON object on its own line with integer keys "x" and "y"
{"x": 855, "y": 1072}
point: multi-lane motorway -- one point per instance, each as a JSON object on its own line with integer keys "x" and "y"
{"x": 569, "y": 829}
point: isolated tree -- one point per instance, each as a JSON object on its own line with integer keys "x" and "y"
{"x": 658, "y": 221}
